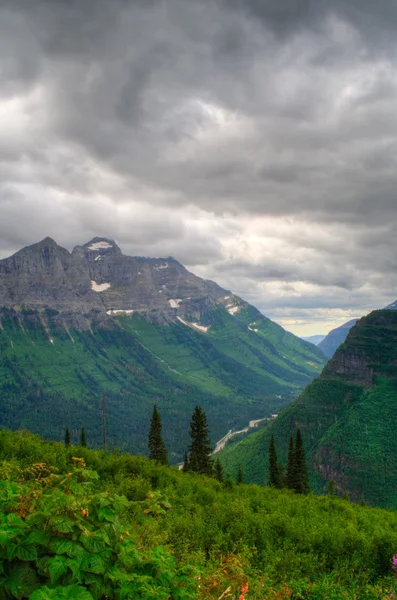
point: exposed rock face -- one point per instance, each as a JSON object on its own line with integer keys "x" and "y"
{"x": 353, "y": 367}
{"x": 97, "y": 279}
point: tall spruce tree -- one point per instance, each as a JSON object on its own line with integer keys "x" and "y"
{"x": 157, "y": 449}
{"x": 274, "y": 468}
{"x": 200, "y": 448}
{"x": 83, "y": 439}
{"x": 67, "y": 437}
{"x": 185, "y": 466}
{"x": 300, "y": 475}
{"x": 218, "y": 470}
{"x": 291, "y": 464}
{"x": 239, "y": 478}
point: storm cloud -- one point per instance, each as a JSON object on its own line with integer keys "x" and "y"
{"x": 255, "y": 141}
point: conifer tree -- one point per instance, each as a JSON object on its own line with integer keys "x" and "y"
{"x": 185, "y": 467}
{"x": 67, "y": 437}
{"x": 300, "y": 475}
{"x": 218, "y": 470}
{"x": 239, "y": 476}
{"x": 83, "y": 439}
{"x": 331, "y": 487}
{"x": 274, "y": 468}
{"x": 200, "y": 447}
{"x": 157, "y": 449}
{"x": 290, "y": 464}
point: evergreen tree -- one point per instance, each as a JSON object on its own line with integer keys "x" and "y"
{"x": 200, "y": 447}
{"x": 300, "y": 475}
{"x": 67, "y": 437}
{"x": 239, "y": 476}
{"x": 157, "y": 449}
{"x": 290, "y": 465}
{"x": 83, "y": 439}
{"x": 218, "y": 470}
{"x": 185, "y": 467}
{"x": 280, "y": 476}
{"x": 274, "y": 469}
{"x": 331, "y": 488}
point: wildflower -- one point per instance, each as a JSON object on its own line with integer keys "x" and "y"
{"x": 241, "y": 597}
{"x": 244, "y": 588}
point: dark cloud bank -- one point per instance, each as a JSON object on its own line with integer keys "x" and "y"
{"x": 254, "y": 140}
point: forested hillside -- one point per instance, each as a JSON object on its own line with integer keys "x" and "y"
{"x": 53, "y": 376}
{"x": 347, "y": 418}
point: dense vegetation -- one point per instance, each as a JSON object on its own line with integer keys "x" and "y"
{"x": 81, "y": 524}
{"x": 52, "y": 377}
{"x": 347, "y": 417}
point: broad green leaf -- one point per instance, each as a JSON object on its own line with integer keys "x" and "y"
{"x": 7, "y": 534}
{"x": 40, "y": 538}
{"x": 57, "y": 567}
{"x": 44, "y": 593}
{"x": 69, "y": 592}
{"x": 23, "y": 551}
{"x": 93, "y": 564}
{"x": 21, "y": 581}
{"x": 14, "y": 521}
{"x": 106, "y": 513}
{"x": 75, "y": 592}
{"x": 62, "y": 546}
{"x": 62, "y": 523}
{"x": 93, "y": 543}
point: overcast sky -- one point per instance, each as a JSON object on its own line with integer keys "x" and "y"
{"x": 253, "y": 140}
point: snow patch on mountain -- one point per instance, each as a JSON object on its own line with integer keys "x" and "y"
{"x": 99, "y": 246}
{"x": 197, "y": 326}
{"x": 162, "y": 266}
{"x": 175, "y": 303}
{"x": 99, "y": 287}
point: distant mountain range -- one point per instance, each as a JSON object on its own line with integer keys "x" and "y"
{"x": 335, "y": 338}
{"x": 314, "y": 339}
{"x": 347, "y": 417}
{"x": 92, "y": 330}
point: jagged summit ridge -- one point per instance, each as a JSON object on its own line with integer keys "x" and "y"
{"x": 97, "y": 277}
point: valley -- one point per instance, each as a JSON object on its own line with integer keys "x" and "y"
{"x": 147, "y": 332}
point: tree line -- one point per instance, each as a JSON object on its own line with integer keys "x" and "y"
{"x": 296, "y": 476}
{"x": 198, "y": 457}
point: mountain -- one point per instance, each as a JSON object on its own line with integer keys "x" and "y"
{"x": 347, "y": 417}
{"x": 314, "y": 339}
{"x": 93, "y": 331}
{"x": 335, "y": 338}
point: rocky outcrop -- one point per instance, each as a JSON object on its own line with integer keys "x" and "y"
{"x": 352, "y": 367}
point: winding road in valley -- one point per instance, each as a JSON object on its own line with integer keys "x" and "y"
{"x": 223, "y": 441}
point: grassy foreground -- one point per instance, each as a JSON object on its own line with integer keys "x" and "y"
{"x": 81, "y": 524}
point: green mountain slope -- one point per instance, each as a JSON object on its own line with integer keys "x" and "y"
{"x": 347, "y": 417}
{"x": 53, "y": 375}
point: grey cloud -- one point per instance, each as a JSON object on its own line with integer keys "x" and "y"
{"x": 254, "y": 107}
